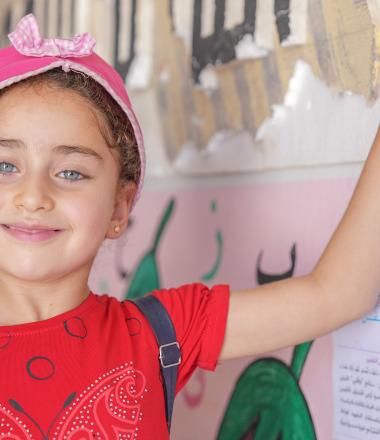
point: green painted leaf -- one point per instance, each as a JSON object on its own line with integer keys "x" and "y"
{"x": 268, "y": 402}
{"x": 299, "y": 357}
{"x": 215, "y": 268}
{"x": 147, "y": 278}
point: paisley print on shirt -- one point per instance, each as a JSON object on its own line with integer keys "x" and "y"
{"x": 108, "y": 408}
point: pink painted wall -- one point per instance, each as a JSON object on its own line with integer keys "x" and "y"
{"x": 251, "y": 218}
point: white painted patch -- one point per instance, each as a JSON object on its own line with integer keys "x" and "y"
{"x": 374, "y": 10}
{"x": 227, "y": 151}
{"x": 82, "y": 17}
{"x": 124, "y": 37}
{"x": 208, "y": 78}
{"x": 164, "y": 76}
{"x": 146, "y": 108}
{"x": 297, "y": 23}
{"x": 183, "y": 20}
{"x": 234, "y": 13}
{"x": 247, "y": 48}
{"x": 140, "y": 72}
{"x": 265, "y": 22}
{"x": 208, "y": 17}
{"x": 141, "y": 68}
{"x": 315, "y": 126}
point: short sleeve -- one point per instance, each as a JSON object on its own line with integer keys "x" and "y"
{"x": 199, "y": 315}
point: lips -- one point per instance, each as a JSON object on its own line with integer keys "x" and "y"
{"x": 31, "y": 233}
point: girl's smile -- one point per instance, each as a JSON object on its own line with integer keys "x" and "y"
{"x": 31, "y": 233}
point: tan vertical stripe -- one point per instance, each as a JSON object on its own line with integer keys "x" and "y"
{"x": 374, "y": 10}
{"x": 230, "y": 96}
{"x": 66, "y": 16}
{"x": 205, "y": 114}
{"x": 375, "y": 75}
{"x": 39, "y": 12}
{"x": 17, "y": 11}
{"x": 318, "y": 33}
{"x": 171, "y": 61}
{"x": 52, "y": 30}
{"x": 258, "y": 96}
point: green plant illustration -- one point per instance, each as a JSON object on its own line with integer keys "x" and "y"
{"x": 146, "y": 278}
{"x": 267, "y": 402}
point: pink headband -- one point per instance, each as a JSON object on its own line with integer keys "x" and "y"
{"x": 31, "y": 55}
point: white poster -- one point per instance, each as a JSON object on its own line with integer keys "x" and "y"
{"x": 357, "y": 379}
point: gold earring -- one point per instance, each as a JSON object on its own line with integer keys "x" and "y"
{"x": 116, "y": 229}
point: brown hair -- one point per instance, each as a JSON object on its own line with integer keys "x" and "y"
{"x": 119, "y": 133}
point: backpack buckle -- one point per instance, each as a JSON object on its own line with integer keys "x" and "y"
{"x": 170, "y": 355}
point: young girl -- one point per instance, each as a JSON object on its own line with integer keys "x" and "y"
{"x": 76, "y": 365}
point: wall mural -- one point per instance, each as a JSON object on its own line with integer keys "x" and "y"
{"x": 188, "y": 235}
{"x": 268, "y": 402}
{"x": 268, "y": 389}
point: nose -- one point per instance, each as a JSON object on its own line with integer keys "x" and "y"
{"x": 34, "y": 195}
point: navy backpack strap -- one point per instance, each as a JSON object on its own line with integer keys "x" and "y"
{"x": 169, "y": 350}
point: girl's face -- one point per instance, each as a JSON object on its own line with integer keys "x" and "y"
{"x": 59, "y": 190}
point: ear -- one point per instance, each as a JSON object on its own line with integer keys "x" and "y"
{"x": 123, "y": 202}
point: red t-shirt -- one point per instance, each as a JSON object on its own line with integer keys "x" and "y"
{"x": 93, "y": 372}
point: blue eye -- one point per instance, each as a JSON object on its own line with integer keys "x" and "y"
{"x": 7, "y": 168}
{"x": 71, "y": 175}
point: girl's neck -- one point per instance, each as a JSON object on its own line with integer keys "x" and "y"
{"x": 24, "y": 301}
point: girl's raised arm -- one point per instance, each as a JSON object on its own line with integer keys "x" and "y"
{"x": 343, "y": 286}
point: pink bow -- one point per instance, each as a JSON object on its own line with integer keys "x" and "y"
{"x": 27, "y": 40}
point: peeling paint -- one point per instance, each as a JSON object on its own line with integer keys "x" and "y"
{"x": 318, "y": 125}
{"x": 301, "y": 132}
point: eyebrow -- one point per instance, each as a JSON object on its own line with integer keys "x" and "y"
{"x": 59, "y": 149}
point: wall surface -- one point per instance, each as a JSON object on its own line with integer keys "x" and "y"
{"x": 257, "y": 115}
{"x": 242, "y": 234}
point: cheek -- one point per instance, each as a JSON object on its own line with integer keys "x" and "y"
{"x": 4, "y": 196}
{"x": 92, "y": 213}
{"x": 6, "y": 200}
